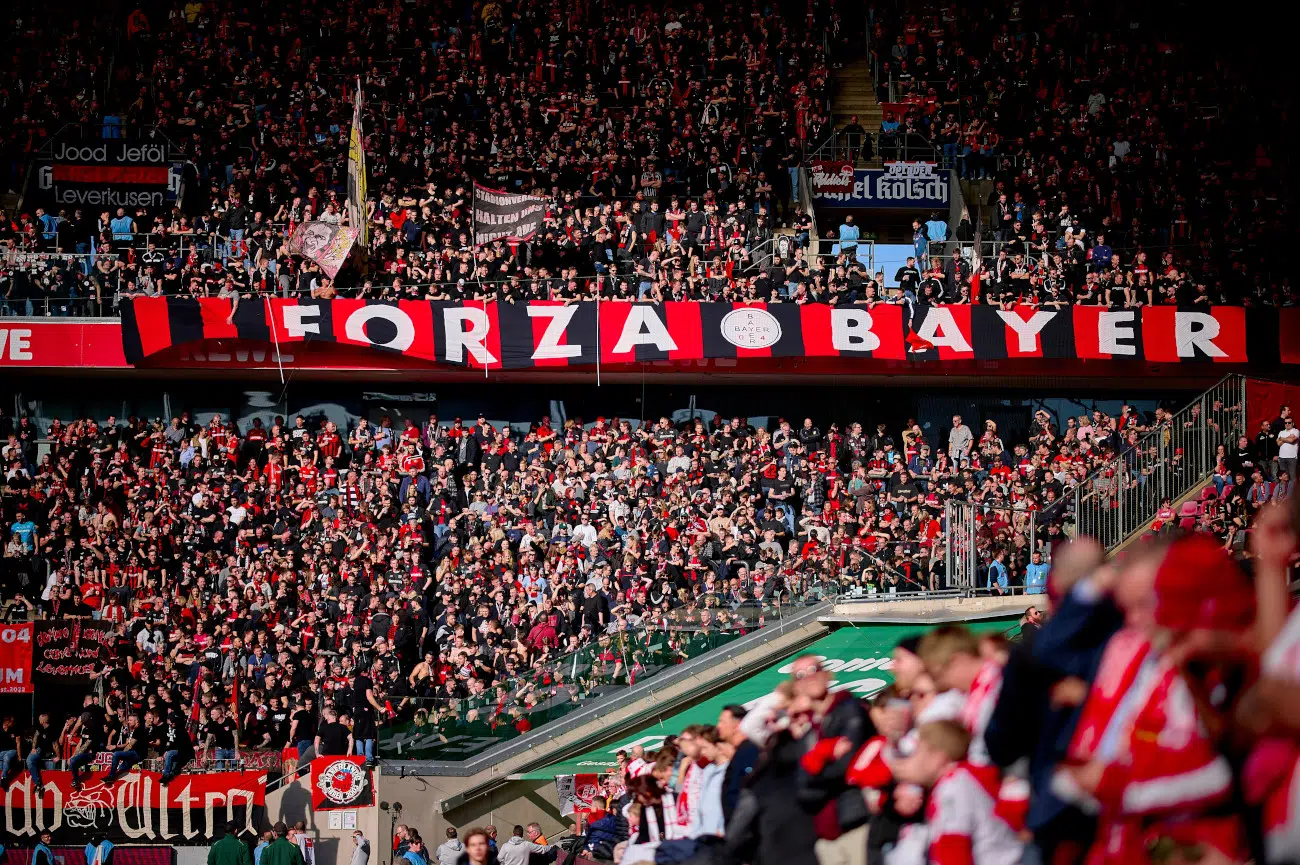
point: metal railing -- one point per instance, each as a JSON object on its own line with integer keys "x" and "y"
{"x": 883, "y": 146}
{"x": 1165, "y": 463}
{"x": 975, "y": 532}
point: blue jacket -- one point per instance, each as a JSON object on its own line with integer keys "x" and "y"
{"x": 609, "y": 829}
{"x": 1024, "y": 723}
{"x": 997, "y": 575}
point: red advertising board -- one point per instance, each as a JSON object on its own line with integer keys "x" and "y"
{"x": 16, "y": 658}
{"x": 79, "y": 344}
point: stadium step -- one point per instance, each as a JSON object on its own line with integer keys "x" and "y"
{"x": 856, "y": 94}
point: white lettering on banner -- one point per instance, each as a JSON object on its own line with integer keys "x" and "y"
{"x": 1193, "y": 330}
{"x": 940, "y": 328}
{"x": 549, "y": 347}
{"x": 851, "y": 330}
{"x": 121, "y": 153}
{"x": 644, "y": 327}
{"x": 109, "y": 197}
{"x": 1111, "y": 328}
{"x": 16, "y": 343}
{"x": 460, "y": 339}
{"x": 900, "y": 181}
{"x": 355, "y": 327}
{"x": 1027, "y": 331}
{"x": 136, "y": 794}
{"x": 187, "y": 821}
{"x": 295, "y": 320}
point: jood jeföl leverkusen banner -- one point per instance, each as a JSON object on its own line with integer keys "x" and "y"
{"x": 548, "y": 334}
{"x": 137, "y": 808}
{"x": 105, "y": 174}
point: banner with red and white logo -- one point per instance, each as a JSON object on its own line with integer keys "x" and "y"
{"x": 16, "y": 658}
{"x": 579, "y": 794}
{"x": 341, "y": 782}
{"x": 829, "y": 176}
{"x": 138, "y": 808}
{"x": 496, "y": 335}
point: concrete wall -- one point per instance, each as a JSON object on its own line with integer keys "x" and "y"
{"x": 514, "y": 802}
{"x": 292, "y": 803}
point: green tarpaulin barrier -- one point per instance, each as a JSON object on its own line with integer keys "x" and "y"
{"x": 858, "y": 657}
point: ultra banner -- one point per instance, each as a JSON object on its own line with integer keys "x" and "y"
{"x": 136, "y": 809}
{"x": 502, "y": 215}
{"x": 553, "y": 334}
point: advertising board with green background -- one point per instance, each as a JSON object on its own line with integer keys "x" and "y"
{"x": 858, "y": 658}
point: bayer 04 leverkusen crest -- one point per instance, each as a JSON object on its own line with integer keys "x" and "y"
{"x": 341, "y": 782}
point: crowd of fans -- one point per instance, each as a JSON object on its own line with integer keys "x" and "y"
{"x": 1148, "y": 719}
{"x": 663, "y": 137}
{"x": 1125, "y": 167}
{"x": 299, "y": 586}
{"x": 443, "y": 577}
{"x": 666, "y": 145}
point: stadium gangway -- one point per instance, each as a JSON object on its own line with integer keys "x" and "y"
{"x": 1121, "y": 498}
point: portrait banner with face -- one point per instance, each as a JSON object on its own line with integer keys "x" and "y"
{"x": 325, "y": 243}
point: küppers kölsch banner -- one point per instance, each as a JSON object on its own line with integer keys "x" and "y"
{"x": 554, "y": 334}
{"x": 903, "y": 185}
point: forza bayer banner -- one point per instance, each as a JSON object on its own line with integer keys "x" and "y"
{"x": 859, "y": 659}
{"x": 493, "y": 335}
{"x": 341, "y": 782}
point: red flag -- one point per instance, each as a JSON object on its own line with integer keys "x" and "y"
{"x": 915, "y": 343}
{"x": 234, "y": 697}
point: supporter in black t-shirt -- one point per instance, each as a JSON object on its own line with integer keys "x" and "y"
{"x": 302, "y": 727}
{"x": 364, "y": 728}
{"x": 219, "y": 734}
{"x": 8, "y": 751}
{"x": 332, "y": 738}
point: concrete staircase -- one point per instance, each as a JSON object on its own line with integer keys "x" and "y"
{"x": 855, "y": 94}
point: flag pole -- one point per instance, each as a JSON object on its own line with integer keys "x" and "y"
{"x": 597, "y": 334}
{"x": 275, "y": 335}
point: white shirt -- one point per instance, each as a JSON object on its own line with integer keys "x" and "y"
{"x": 1288, "y": 444}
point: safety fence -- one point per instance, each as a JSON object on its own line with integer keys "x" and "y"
{"x": 1112, "y": 503}
{"x": 1166, "y": 462}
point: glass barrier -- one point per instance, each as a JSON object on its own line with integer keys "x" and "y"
{"x": 444, "y": 728}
